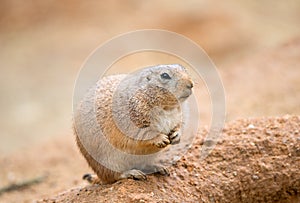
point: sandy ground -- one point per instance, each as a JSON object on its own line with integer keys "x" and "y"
{"x": 255, "y": 46}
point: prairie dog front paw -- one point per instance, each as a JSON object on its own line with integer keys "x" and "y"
{"x": 162, "y": 141}
{"x": 174, "y": 137}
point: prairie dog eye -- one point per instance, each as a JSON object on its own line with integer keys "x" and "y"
{"x": 165, "y": 76}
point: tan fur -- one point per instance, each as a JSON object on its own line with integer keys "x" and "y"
{"x": 138, "y": 114}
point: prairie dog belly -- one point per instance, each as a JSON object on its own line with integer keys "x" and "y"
{"x": 165, "y": 121}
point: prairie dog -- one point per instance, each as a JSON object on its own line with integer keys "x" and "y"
{"x": 125, "y": 120}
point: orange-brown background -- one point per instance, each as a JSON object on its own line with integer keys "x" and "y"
{"x": 44, "y": 43}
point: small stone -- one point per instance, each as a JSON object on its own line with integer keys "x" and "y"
{"x": 268, "y": 132}
{"x": 251, "y": 126}
{"x": 181, "y": 177}
{"x": 176, "y": 158}
{"x": 255, "y": 177}
{"x": 224, "y": 173}
{"x": 234, "y": 173}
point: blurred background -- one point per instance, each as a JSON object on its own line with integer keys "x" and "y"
{"x": 44, "y": 43}
{"x": 254, "y": 44}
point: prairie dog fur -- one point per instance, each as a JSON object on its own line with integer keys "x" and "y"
{"x": 124, "y": 120}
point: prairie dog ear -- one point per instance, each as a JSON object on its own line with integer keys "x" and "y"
{"x": 145, "y": 76}
{"x": 148, "y": 77}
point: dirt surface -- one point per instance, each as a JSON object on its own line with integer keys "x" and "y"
{"x": 258, "y": 160}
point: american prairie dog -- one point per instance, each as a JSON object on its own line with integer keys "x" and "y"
{"x": 125, "y": 120}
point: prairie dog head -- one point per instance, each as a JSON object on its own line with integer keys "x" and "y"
{"x": 142, "y": 93}
{"x": 173, "y": 78}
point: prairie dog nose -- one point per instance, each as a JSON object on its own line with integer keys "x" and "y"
{"x": 190, "y": 85}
